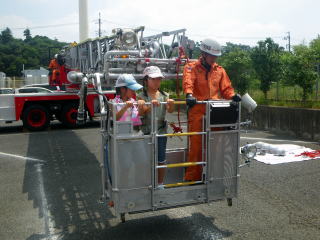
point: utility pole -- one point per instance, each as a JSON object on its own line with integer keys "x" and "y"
{"x": 317, "y": 83}
{"x": 99, "y": 25}
{"x": 289, "y": 42}
{"x": 99, "y": 22}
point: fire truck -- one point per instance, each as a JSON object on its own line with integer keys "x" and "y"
{"x": 107, "y": 56}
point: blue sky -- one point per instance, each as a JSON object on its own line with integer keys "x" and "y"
{"x": 237, "y": 21}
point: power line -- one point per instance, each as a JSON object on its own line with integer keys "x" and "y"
{"x": 43, "y": 26}
{"x": 233, "y": 37}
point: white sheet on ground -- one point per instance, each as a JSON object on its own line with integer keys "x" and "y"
{"x": 280, "y": 153}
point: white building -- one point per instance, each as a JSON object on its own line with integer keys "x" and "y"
{"x": 2, "y": 80}
{"x": 35, "y": 76}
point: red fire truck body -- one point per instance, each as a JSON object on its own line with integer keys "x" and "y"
{"x": 37, "y": 109}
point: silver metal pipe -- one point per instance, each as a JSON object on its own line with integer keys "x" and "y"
{"x": 145, "y": 60}
{"x": 122, "y": 70}
{"x": 98, "y": 86}
{"x": 99, "y": 57}
{"x": 112, "y": 53}
{"x": 165, "y": 33}
{"x": 138, "y": 76}
{"x": 164, "y": 50}
{"x": 115, "y": 151}
{"x": 82, "y": 96}
{"x": 153, "y": 172}
{"x": 118, "y": 52}
{"x": 90, "y": 55}
{"x": 75, "y": 77}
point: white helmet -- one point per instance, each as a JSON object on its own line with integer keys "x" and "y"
{"x": 211, "y": 47}
{"x": 56, "y": 56}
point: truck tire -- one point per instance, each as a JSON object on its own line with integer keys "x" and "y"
{"x": 69, "y": 115}
{"x": 35, "y": 118}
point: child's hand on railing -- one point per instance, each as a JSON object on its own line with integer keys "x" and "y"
{"x": 129, "y": 104}
{"x": 141, "y": 104}
{"x": 155, "y": 103}
{"x": 170, "y": 105}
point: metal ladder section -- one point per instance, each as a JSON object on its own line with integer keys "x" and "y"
{"x": 181, "y": 164}
{"x": 102, "y": 54}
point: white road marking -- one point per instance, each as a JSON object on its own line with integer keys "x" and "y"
{"x": 278, "y": 140}
{"x": 21, "y": 157}
{"x": 48, "y": 222}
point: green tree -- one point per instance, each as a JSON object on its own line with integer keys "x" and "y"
{"x": 315, "y": 48}
{"x": 27, "y": 34}
{"x": 266, "y": 62}
{"x": 299, "y": 69}
{"x": 238, "y": 64}
{"x": 231, "y": 47}
{"x": 196, "y": 51}
{"x": 6, "y": 36}
{"x": 31, "y": 52}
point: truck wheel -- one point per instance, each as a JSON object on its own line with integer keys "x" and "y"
{"x": 35, "y": 118}
{"x": 123, "y": 217}
{"x": 69, "y": 115}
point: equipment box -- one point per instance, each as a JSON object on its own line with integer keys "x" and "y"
{"x": 224, "y": 113}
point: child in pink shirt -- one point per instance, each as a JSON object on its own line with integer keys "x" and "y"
{"x": 126, "y": 86}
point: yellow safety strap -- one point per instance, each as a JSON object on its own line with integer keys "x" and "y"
{"x": 185, "y": 164}
{"x": 180, "y": 184}
{"x": 182, "y": 134}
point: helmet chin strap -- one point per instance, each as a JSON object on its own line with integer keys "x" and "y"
{"x": 204, "y": 63}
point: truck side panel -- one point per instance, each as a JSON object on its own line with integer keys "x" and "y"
{"x": 20, "y": 101}
{"x": 7, "y": 107}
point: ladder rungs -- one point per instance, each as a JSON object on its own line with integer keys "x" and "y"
{"x": 180, "y": 184}
{"x": 185, "y": 164}
{"x": 181, "y": 134}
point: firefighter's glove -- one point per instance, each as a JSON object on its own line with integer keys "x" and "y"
{"x": 236, "y": 98}
{"x": 190, "y": 100}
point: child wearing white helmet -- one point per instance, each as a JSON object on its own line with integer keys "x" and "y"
{"x": 126, "y": 86}
{"x": 152, "y": 93}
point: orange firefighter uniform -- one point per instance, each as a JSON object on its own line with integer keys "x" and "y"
{"x": 54, "y": 66}
{"x": 203, "y": 85}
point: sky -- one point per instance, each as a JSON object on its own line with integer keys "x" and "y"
{"x": 236, "y": 21}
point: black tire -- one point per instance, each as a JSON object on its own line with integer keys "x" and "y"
{"x": 69, "y": 115}
{"x": 58, "y": 116}
{"x": 123, "y": 217}
{"x": 36, "y": 118}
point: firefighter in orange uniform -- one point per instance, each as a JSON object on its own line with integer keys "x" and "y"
{"x": 54, "y": 71}
{"x": 203, "y": 80}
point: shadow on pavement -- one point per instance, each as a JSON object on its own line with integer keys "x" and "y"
{"x": 54, "y": 126}
{"x": 194, "y": 227}
{"x": 66, "y": 187}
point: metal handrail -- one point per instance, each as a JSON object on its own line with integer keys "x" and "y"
{"x": 184, "y": 164}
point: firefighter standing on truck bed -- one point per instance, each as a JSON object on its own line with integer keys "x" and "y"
{"x": 203, "y": 80}
{"x": 54, "y": 71}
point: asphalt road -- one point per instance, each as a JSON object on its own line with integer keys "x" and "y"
{"x": 50, "y": 189}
